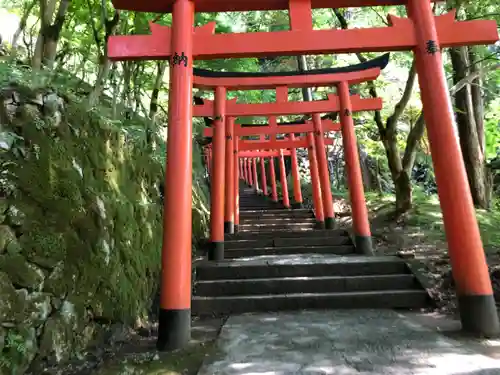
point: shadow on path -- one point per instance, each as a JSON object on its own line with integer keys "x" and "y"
{"x": 368, "y": 342}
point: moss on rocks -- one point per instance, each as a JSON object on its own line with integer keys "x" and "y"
{"x": 80, "y": 224}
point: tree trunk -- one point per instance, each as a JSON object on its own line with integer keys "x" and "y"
{"x": 114, "y": 89}
{"x": 53, "y": 33}
{"x": 104, "y": 68}
{"x": 468, "y": 131}
{"x": 365, "y": 168}
{"x": 477, "y": 99}
{"x": 47, "y": 8}
{"x": 153, "y": 106}
{"x": 126, "y": 94}
{"x": 22, "y": 25}
{"x": 104, "y": 62}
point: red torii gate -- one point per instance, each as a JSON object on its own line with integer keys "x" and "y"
{"x": 345, "y": 104}
{"x": 272, "y": 129}
{"x": 249, "y": 172}
{"x": 339, "y": 77}
{"x": 422, "y": 32}
{"x": 292, "y": 144}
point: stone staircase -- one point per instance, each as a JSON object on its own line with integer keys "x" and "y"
{"x": 278, "y": 261}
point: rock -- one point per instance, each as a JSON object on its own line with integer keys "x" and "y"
{"x": 15, "y": 217}
{"x": 43, "y": 262}
{"x": 7, "y": 139}
{"x": 3, "y": 335}
{"x": 56, "y": 303}
{"x": 3, "y": 207}
{"x": 118, "y": 333}
{"x": 7, "y": 235}
{"x": 56, "y": 341}
{"x": 55, "y": 283}
{"x": 52, "y": 103}
{"x": 69, "y": 314}
{"x": 9, "y": 299}
{"x": 38, "y": 308}
{"x": 144, "y": 332}
{"x": 85, "y": 337}
{"x": 21, "y": 272}
{"x": 406, "y": 254}
{"x": 37, "y": 99}
{"x": 13, "y": 247}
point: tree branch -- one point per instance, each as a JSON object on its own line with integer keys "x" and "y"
{"x": 94, "y": 28}
{"x": 414, "y": 136}
{"x": 403, "y": 102}
{"x": 468, "y": 79}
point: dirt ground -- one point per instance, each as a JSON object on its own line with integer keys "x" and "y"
{"x": 419, "y": 235}
{"x": 134, "y": 353}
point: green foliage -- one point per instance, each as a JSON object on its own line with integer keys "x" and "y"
{"x": 15, "y": 348}
{"x": 492, "y": 130}
{"x": 426, "y": 214}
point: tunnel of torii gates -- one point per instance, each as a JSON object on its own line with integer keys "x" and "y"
{"x": 422, "y": 32}
{"x": 223, "y": 133}
{"x": 244, "y": 164}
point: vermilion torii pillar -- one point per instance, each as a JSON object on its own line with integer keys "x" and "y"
{"x": 263, "y": 176}
{"x": 255, "y": 175}
{"x": 245, "y": 169}
{"x": 315, "y": 183}
{"x": 229, "y": 177}
{"x": 361, "y": 225}
{"x": 249, "y": 172}
{"x": 283, "y": 181}
{"x": 424, "y": 33}
{"x": 216, "y": 249}
{"x": 470, "y": 270}
{"x": 272, "y": 175}
{"x": 297, "y": 191}
{"x": 236, "y": 185}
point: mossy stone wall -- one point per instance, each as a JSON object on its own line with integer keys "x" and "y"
{"x": 80, "y": 227}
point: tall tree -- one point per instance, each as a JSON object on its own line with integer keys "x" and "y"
{"x": 400, "y": 164}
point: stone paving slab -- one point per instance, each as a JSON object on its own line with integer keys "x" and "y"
{"x": 302, "y": 259}
{"x": 361, "y": 342}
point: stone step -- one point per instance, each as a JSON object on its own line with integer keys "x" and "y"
{"x": 261, "y": 207}
{"x": 304, "y": 265}
{"x": 276, "y": 227}
{"x": 277, "y": 220}
{"x": 294, "y": 285}
{"x": 309, "y": 234}
{"x": 301, "y": 212}
{"x": 286, "y": 240}
{"x": 254, "y": 252}
{"x": 386, "y": 299}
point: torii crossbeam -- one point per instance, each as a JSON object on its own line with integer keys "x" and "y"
{"x": 307, "y": 127}
{"x": 399, "y": 36}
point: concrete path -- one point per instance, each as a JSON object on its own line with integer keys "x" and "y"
{"x": 340, "y": 342}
